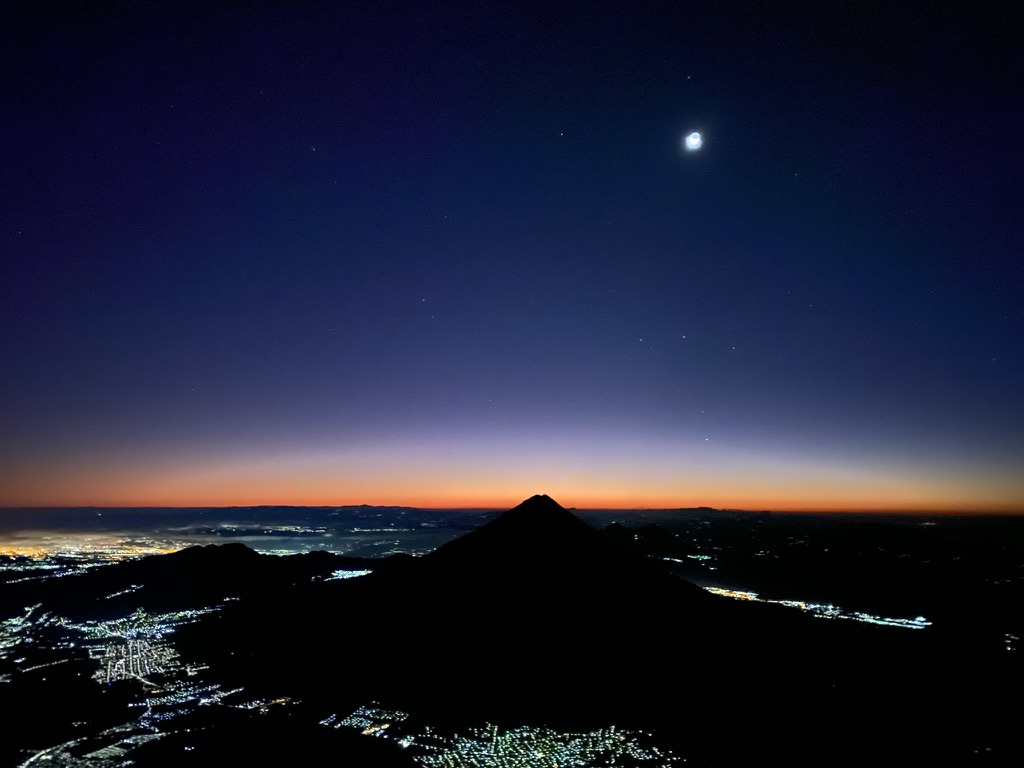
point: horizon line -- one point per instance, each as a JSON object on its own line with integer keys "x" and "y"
{"x": 985, "y": 512}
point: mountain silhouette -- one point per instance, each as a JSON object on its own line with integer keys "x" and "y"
{"x": 540, "y": 554}
{"x": 535, "y": 617}
{"x": 489, "y": 620}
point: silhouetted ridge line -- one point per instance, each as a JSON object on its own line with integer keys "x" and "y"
{"x": 534, "y": 616}
{"x": 537, "y": 530}
{"x": 540, "y": 549}
{"x": 538, "y": 517}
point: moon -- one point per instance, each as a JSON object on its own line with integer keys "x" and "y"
{"x": 693, "y": 141}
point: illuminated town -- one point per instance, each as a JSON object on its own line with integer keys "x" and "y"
{"x": 825, "y": 610}
{"x": 139, "y": 647}
{"x": 135, "y": 646}
{"x": 522, "y": 747}
{"x": 343, "y": 574}
{"x": 527, "y": 747}
{"x": 91, "y": 550}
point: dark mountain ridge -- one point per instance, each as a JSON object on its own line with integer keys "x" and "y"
{"x": 537, "y": 550}
{"x": 194, "y": 577}
{"x": 537, "y": 618}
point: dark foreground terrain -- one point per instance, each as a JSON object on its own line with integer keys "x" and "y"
{"x": 535, "y": 619}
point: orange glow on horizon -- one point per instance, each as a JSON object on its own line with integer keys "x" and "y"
{"x": 505, "y": 499}
{"x": 420, "y": 478}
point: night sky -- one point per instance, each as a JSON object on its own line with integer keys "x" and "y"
{"x": 371, "y": 253}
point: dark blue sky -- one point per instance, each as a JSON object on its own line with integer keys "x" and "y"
{"x": 403, "y": 253}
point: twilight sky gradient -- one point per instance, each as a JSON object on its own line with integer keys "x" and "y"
{"x": 399, "y": 253}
